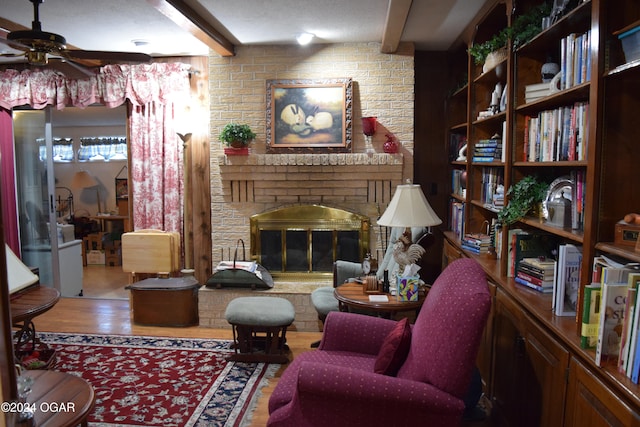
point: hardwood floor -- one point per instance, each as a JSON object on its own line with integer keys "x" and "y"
{"x": 101, "y": 281}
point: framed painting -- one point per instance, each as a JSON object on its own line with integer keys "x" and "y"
{"x": 309, "y": 116}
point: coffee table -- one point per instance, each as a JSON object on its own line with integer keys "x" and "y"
{"x": 351, "y": 296}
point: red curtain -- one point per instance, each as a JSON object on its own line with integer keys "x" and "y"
{"x": 9, "y": 211}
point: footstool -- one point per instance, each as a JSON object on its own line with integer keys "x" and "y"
{"x": 251, "y": 316}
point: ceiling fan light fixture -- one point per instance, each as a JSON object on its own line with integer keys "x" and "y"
{"x": 38, "y": 58}
{"x": 304, "y": 38}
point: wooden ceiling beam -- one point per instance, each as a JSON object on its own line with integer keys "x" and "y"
{"x": 397, "y": 14}
{"x": 184, "y": 16}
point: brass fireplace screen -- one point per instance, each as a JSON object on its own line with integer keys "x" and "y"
{"x": 304, "y": 241}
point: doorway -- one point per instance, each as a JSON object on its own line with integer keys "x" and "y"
{"x": 71, "y": 168}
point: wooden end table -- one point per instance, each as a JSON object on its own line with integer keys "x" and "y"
{"x": 351, "y": 296}
{"x": 59, "y": 399}
{"x": 24, "y": 306}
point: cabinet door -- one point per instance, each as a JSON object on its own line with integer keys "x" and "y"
{"x": 529, "y": 377}
{"x": 485, "y": 353}
{"x": 590, "y": 403}
{"x": 449, "y": 254}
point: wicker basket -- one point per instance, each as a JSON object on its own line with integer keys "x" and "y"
{"x": 45, "y": 358}
{"x": 494, "y": 58}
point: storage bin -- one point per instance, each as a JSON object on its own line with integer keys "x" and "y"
{"x": 165, "y": 302}
{"x": 630, "y": 38}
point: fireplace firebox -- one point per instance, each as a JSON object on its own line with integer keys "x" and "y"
{"x": 303, "y": 241}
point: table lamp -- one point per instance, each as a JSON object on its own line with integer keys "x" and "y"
{"x": 408, "y": 208}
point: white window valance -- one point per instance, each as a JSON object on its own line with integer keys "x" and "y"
{"x": 141, "y": 84}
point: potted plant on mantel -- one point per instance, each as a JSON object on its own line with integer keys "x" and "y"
{"x": 237, "y": 138}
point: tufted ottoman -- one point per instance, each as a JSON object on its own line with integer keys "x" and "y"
{"x": 260, "y": 322}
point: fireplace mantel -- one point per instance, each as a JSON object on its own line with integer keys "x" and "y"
{"x": 325, "y": 159}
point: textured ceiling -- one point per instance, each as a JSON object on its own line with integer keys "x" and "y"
{"x": 114, "y": 24}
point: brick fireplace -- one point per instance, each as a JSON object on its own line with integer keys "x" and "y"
{"x": 242, "y": 186}
{"x": 258, "y": 183}
{"x": 358, "y": 183}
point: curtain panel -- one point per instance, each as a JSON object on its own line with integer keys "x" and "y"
{"x": 154, "y": 90}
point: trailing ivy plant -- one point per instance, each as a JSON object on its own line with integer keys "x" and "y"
{"x": 523, "y": 196}
{"x": 524, "y": 27}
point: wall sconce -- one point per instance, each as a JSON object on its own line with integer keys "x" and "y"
{"x": 369, "y": 129}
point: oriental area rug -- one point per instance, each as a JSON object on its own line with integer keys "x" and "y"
{"x": 157, "y": 381}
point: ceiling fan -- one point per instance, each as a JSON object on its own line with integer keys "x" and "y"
{"x": 42, "y": 48}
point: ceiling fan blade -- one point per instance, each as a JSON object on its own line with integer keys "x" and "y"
{"x": 107, "y": 57}
{"x": 70, "y": 69}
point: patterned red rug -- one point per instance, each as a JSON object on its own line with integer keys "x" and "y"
{"x": 151, "y": 381}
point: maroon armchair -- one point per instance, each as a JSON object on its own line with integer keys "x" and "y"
{"x": 339, "y": 384}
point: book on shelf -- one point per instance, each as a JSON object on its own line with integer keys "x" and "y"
{"x": 590, "y": 316}
{"x": 536, "y": 273}
{"x": 612, "y": 307}
{"x": 628, "y": 326}
{"x": 567, "y": 281}
{"x": 534, "y": 278}
{"x": 457, "y": 218}
{"x": 476, "y": 242}
{"x": 529, "y": 245}
{"x": 556, "y": 135}
{"x": 633, "y": 353}
{"x": 539, "y": 288}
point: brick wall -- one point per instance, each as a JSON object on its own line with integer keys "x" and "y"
{"x": 243, "y": 186}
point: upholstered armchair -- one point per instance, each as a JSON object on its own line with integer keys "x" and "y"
{"x": 323, "y": 299}
{"x": 370, "y": 371}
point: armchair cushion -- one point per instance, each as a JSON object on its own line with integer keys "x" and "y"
{"x": 394, "y": 349}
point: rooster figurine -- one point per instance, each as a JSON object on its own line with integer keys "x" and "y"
{"x": 406, "y": 253}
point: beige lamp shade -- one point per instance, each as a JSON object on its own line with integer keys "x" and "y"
{"x": 409, "y": 208}
{"x": 83, "y": 179}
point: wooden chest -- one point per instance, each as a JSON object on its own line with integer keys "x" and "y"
{"x": 165, "y": 302}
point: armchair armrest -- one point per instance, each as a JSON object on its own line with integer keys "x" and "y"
{"x": 355, "y": 333}
{"x": 330, "y": 389}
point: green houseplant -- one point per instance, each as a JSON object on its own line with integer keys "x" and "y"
{"x": 524, "y": 197}
{"x": 237, "y": 135}
{"x": 524, "y": 27}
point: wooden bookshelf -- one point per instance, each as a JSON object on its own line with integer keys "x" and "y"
{"x": 550, "y": 380}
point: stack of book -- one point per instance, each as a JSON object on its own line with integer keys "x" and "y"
{"x": 487, "y": 150}
{"x": 477, "y": 243}
{"x": 536, "y": 273}
{"x": 536, "y": 91}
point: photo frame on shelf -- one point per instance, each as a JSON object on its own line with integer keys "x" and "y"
{"x": 309, "y": 115}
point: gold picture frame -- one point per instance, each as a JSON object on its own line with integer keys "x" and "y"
{"x": 309, "y": 115}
